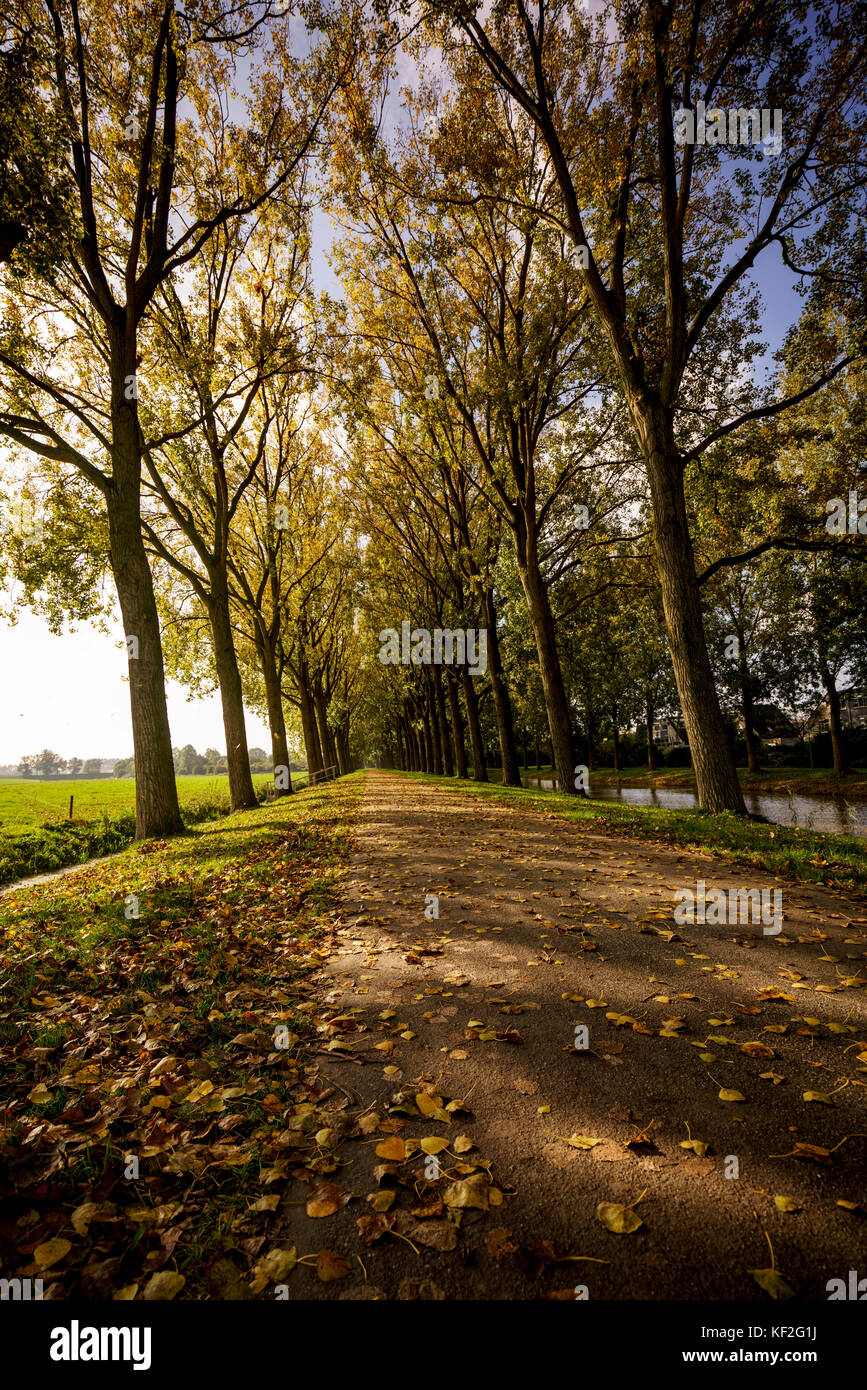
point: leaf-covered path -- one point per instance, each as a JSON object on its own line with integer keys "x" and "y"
{"x": 463, "y": 1028}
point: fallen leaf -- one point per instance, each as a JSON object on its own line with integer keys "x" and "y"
{"x": 330, "y": 1266}
{"x": 162, "y": 1286}
{"x": 392, "y": 1149}
{"x": 787, "y": 1204}
{"x": 51, "y": 1252}
{"x": 773, "y": 1283}
{"x": 617, "y": 1218}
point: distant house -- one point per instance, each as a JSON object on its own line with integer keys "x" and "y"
{"x": 772, "y": 726}
{"x": 853, "y": 712}
{"x": 669, "y": 734}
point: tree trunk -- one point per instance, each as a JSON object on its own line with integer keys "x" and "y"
{"x": 550, "y": 670}
{"x": 428, "y": 741}
{"x": 344, "y": 755}
{"x": 590, "y": 724}
{"x": 471, "y": 701}
{"x": 436, "y": 731}
{"x": 457, "y": 724}
{"x": 747, "y": 710}
{"x": 716, "y": 777}
{"x": 326, "y": 736}
{"x": 308, "y": 721}
{"x": 615, "y": 734}
{"x": 502, "y": 702}
{"x": 524, "y": 747}
{"x": 242, "y": 796}
{"x": 157, "y": 812}
{"x": 651, "y": 746}
{"x": 835, "y": 724}
{"x": 448, "y": 761}
{"x": 276, "y": 718}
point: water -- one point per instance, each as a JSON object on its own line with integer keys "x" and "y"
{"x": 833, "y": 814}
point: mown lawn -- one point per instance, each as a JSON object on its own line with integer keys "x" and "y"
{"x": 837, "y": 860}
{"x": 157, "y": 1074}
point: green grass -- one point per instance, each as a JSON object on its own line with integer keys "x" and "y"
{"x": 36, "y": 837}
{"x": 837, "y": 860}
{"x": 27, "y": 801}
{"x": 231, "y": 920}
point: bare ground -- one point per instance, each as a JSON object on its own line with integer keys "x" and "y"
{"x": 543, "y": 927}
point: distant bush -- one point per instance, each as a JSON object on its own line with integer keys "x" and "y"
{"x": 676, "y": 757}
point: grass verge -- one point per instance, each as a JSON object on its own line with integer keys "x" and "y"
{"x": 837, "y": 860}
{"x": 150, "y": 1063}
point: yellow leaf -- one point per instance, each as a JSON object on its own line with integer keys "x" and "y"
{"x": 164, "y": 1285}
{"x": 581, "y": 1141}
{"x": 428, "y": 1104}
{"x": 787, "y": 1204}
{"x": 434, "y": 1146}
{"x": 392, "y": 1149}
{"x": 51, "y": 1252}
{"x": 730, "y": 1095}
{"x": 468, "y": 1192}
{"x": 773, "y": 1283}
{"x": 617, "y": 1218}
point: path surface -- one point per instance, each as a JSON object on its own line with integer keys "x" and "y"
{"x": 543, "y": 927}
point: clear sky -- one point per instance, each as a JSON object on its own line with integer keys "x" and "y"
{"x": 70, "y": 694}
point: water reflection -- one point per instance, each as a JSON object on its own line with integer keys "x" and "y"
{"x": 832, "y": 814}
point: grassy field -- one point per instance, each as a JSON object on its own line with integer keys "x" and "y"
{"x": 814, "y": 857}
{"x": 37, "y": 837}
{"x": 230, "y": 919}
{"x": 28, "y": 801}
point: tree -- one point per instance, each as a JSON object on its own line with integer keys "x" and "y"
{"x": 72, "y": 349}
{"x": 92, "y": 767}
{"x": 73, "y": 767}
{"x": 671, "y": 299}
{"x": 36, "y": 205}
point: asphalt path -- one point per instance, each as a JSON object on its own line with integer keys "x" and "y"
{"x": 543, "y": 930}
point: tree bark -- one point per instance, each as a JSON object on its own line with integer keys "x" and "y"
{"x": 428, "y": 741}
{"x": 550, "y": 670}
{"x": 457, "y": 724}
{"x": 835, "y": 724}
{"x": 717, "y": 783}
{"x": 651, "y": 746}
{"x": 157, "y": 812}
{"x": 471, "y": 701}
{"x": 502, "y": 702}
{"x": 242, "y": 795}
{"x": 615, "y": 734}
{"x": 308, "y": 720}
{"x": 753, "y": 762}
{"x": 326, "y": 734}
{"x": 434, "y": 716}
{"x": 276, "y": 716}
{"x": 448, "y": 761}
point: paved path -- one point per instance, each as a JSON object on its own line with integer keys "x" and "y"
{"x": 543, "y": 927}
